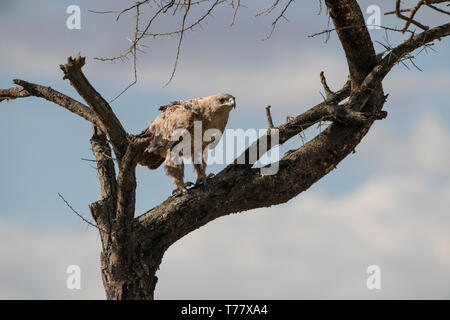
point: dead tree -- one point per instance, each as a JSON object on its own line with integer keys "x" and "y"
{"x": 132, "y": 247}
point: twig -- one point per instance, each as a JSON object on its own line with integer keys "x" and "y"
{"x": 238, "y": 4}
{"x": 268, "y": 10}
{"x": 328, "y": 93}
{"x": 135, "y": 43}
{"x": 327, "y": 31}
{"x": 437, "y": 9}
{"x": 281, "y": 15}
{"x": 188, "y": 7}
{"x": 79, "y": 215}
{"x": 163, "y": 7}
{"x": 409, "y": 19}
{"x": 190, "y": 27}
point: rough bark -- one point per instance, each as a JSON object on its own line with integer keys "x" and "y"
{"x": 133, "y": 247}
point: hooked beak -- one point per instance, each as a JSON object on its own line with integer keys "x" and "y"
{"x": 233, "y": 102}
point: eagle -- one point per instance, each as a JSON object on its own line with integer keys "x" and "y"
{"x": 211, "y": 112}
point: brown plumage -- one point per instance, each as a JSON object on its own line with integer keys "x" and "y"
{"x": 213, "y": 113}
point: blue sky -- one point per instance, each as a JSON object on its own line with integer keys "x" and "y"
{"x": 386, "y": 205}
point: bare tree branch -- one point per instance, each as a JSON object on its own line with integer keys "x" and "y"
{"x": 28, "y": 89}
{"x": 106, "y": 175}
{"x": 325, "y": 111}
{"x": 413, "y": 11}
{"x": 375, "y": 77}
{"x": 269, "y": 118}
{"x": 13, "y": 93}
{"x": 112, "y": 125}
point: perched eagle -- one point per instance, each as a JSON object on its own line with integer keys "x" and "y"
{"x": 212, "y": 112}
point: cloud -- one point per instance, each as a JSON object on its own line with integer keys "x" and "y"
{"x": 409, "y": 81}
{"x": 283, "y": 81}
{"x": 312, "y": 247}
{"x": 317, "y": 247}
{"x": 34, "y": 263}
{"x": 289, "y": 82}
{"x": 277, "y": 72}
{"x": 424, "y": 149}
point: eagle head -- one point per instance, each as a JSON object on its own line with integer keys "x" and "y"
{"x": 223, "y": 101}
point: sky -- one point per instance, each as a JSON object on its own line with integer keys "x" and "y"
{"x": 385, "y": 205}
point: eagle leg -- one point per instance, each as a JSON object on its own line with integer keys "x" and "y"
{"x": 200, "y": 172}
{"x": 200, "y": 181}
{"x": 176, "y": 172}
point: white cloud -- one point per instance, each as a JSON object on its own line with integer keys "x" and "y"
{"x": 286, "y": 79}
{"x": 423, "y": 149}
{"x": 317, "y": 247}
{"x": 410, "y": 81}
{"x": 34, "y": 263}
{"x": 283, "y": 81}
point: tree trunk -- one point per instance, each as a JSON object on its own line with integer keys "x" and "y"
{"x": 135, "y": 280}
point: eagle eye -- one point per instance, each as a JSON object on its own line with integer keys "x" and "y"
{"x": 222, "y": 100}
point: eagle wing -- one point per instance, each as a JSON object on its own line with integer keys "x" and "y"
{"x": 178, "y": 115}
{"x": 187, "y": 104}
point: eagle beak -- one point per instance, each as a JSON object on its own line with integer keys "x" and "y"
{"x": 233, "y": 102}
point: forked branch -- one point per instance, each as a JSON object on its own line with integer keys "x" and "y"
{"x": 111, "y": 124}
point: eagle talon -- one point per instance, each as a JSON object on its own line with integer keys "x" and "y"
{"x": 179, "y": 191}
{"x": 201, "y": 181}
{"x": 189, "y": 184}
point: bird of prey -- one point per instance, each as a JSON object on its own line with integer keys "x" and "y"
{"x": 212, "y": 112}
